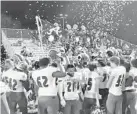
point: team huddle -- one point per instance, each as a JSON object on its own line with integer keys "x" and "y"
{"x": 90, "y": 87}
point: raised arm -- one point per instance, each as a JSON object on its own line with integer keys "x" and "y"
{"x": 58, "y": 74}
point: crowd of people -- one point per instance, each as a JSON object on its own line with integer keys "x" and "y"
{"x": 83, "y": 76}
{"x": 62, "y": 83}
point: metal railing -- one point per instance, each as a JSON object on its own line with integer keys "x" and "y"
{"x": 32, "y": 34}
{"x": 19, "y": 33}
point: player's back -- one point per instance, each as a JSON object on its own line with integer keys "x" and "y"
{"x": 91, "y": 84}
{"x": 119, "y": 74}
{"x": 44, "y": 80}
{"x": 105, "y": 75}
{"x": 13, "y": 78}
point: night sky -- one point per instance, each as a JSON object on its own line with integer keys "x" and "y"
{"x": 19, "y": 10}
{"x": 25, "y": 12}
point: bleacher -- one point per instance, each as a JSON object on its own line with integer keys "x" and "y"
{"x": 36, "y": 50}
{"x": 17, "y": 42}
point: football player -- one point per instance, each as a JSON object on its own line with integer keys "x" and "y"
{"x": 130, "y": 92}
{"x": 70, "y": 91}
{"x": 8, "y": 65}
{"x": 103, "y": 71}
{"x": 15, "y": 79}
{"x": 115, "y": 85}
{"x": 45, "y": 82}
{"x": 91, "y": 96}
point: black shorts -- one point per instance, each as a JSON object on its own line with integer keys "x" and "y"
{"x": 104, "y": 93}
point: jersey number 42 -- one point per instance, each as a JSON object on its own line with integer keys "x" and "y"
{"x": 11, "y": 82}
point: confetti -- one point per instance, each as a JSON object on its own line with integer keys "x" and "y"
{"x": 61, "y": 6}
{"x": 105, "y": 15}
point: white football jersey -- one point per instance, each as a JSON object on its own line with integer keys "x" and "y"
{"x": 71, "y": 87}
{"x": 133, "y": 73}
{"x": 45, "y": 81}
{"x": 119, "y": 74}
{"x": 90, "y": 91}
{"x": 104, "y": 72}
{"x": 13, "y": 79}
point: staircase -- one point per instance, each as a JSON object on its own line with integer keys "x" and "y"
{"x": 36, "y": 50}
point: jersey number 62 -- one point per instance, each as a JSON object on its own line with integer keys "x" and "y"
{"x": 42, "y": 81}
